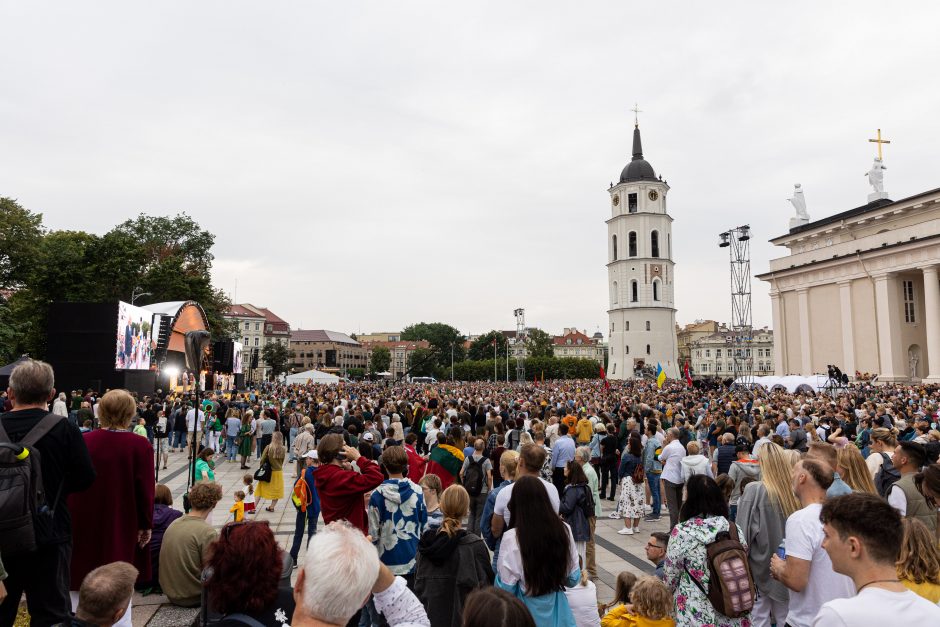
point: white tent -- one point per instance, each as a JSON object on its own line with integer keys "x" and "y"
{"x": 312, "y": 376}
{"x": 793, "y": 383}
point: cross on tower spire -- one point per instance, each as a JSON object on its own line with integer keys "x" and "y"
{"x": 636, "y": 114}
{"x": 879, "y": 141}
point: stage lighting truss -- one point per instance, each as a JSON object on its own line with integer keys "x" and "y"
{"x": 520, "y": 344}
{"x": 737, "y": 241}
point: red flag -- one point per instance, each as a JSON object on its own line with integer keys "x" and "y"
{"x": 604, "y": 377}
{"x": 688, "y": 377}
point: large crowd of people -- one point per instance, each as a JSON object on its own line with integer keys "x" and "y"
{"x": 474, "y": 503}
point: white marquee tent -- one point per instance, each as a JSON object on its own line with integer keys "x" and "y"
{"x": 793, "y": 383}
{"x": 313, "y": 376}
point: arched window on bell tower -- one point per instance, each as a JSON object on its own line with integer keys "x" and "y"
{"x": 615, "y": 293}
{"x": 654, "y": 244}
{"x": 656, "y": 290}
{"x": 614, "y": 242}
{"x": 634, "y": 291}
{"x": 631, "y": 243}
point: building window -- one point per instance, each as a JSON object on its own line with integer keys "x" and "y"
{"x": 627, "y": 323}
{"x": 708, "y": 352}
{"x": 654, "y": 244}
{"x": 631, "y": 203}
{"x": 647, "y": 349}
{"x": 656, "y": 290}
{"x": 631, "y": 243}
{"x": 634, "y": 291}
{"x": 611, "y": 327}
{"x": 614, "y": 242}
{"x": 717, "y": 352}
{"x": 908, "y": 288}
{"x": 256, "y": 341}
{"x": 669, "y": 245}
{"x": 615, "y": 293}
{"x": 257, "y": 326}
{"x": 626, "y": 350}
{"x": 647, "y": 325}
{"x": 247, "y": 325}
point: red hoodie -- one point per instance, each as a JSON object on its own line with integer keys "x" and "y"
{"x": 342, "y": 491}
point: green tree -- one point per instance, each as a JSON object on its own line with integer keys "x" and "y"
{"x": 381, "y": 359}
{"x": 440, "y": 336}
{"x": 538, "y": 343}
{"x": 421, "y": 363}
{"x": 20, "y": 234}
{"x": 482, "y": 347}
{"x": 276, "y": 356}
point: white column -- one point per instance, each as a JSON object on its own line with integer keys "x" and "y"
{"x": 806, "y": 347}
{"x": 848, "y": 328}
{"x": 780, "y": 365}
{"x": 932, "y": 323}
{"x": 888, "y": 320}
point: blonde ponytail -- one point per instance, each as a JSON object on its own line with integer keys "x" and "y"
{"x": 455, "y": 503}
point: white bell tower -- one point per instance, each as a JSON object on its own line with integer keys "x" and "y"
{"x": 640, "y": 272}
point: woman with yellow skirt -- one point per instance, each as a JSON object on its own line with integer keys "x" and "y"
{"x": 273, "y": 490}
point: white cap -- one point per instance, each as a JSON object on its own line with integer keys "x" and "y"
{"x": 311, "y": 454}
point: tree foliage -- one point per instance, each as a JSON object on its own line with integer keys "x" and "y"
{"x": 538, "y": 343}
{"x": 381, "y": 359}
{"x": 482, "y": 347}
{"x": 421, "y": 363}
{"x": 440, "y": 336}
{"x": 276, "y": 356}
{"x": 170, "y": 257}
{"x": 20, "y": 234}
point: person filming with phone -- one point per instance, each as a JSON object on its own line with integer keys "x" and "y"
{"x": 343, "y": 480}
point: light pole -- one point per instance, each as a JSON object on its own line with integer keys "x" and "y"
{"x": 135, "y": 294}
{"x": 451, "y": 362}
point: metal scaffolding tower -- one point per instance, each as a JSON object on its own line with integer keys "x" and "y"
{"x": 738, "y": 243}
{"x": 520, "y": 344}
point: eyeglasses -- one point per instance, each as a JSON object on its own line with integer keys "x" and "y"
{"x": 650, "y": 545}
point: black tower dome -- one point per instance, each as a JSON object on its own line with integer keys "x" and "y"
{"x": 639, "y": 168}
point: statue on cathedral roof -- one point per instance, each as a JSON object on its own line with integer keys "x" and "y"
{"x": 799, "y": 203}
{"x": 876, "y": 176}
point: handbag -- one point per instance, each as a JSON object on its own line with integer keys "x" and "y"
{"x": 264, "y": 472}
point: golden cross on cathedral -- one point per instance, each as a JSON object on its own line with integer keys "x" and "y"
{"x": 879, "y": 141}
{"x": 636, "y": 114}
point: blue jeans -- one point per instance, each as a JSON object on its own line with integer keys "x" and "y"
{"x": 733, "y": 511}
{"x": 308, "y": 519}
{"x": 652, "y": 479}
{"x": 230, "y": 447}
{"x": 290, "y": 441}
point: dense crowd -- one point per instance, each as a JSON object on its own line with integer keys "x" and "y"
{"x": 476, "y": 503}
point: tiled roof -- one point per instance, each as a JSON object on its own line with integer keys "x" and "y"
{"x": 402, "y": 344}
{"x": 321, "y": 335}
{"x": 562, "y": 340}
{"x": 241, "y": 311}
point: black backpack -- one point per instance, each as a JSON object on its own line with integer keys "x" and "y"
{"x": 22, "y": 496}
{"x": 473, "y": 476}
{"x": 887, "y": 476}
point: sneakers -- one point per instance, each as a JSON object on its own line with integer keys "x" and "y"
{"x": 652, "y": 518}
{"x": 648, "y": 509}
{"x": 626, "y": 531}
{"x": 613, "y": 515}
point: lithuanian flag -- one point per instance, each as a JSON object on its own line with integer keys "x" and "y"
{"x": 660, "y": 375}
{"x": 445, "y": 461}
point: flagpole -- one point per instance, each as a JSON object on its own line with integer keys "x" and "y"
{"x": 495, "y": 361}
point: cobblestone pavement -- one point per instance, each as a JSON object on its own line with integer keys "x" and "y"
{"x": 615, "y": 553}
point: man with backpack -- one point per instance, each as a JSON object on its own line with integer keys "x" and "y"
{"x": 476, "y": 476}
{"x": 903, "y": 495}
{"x": 48, "y": 455}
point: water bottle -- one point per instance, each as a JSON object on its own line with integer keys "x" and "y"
{"x": 782, "y": 550}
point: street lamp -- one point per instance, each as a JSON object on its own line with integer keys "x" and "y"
{"x": 135, "y": 294}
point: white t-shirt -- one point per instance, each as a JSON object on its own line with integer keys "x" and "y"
{"x": 583, "y": 603}
{"x": 501, "y": 507}
{"x": 191, "y": 416}
{"x": 877, "y": 606}
{"x": 804, "y": 538}
{"x": 671, "y": 459}
{"x": 897, "y": 499}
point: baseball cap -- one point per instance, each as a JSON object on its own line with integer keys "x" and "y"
{"x": 312, "y": 454}
{"x": 368, "y": 437}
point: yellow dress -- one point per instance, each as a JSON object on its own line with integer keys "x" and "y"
{"x": 273, "y": 489}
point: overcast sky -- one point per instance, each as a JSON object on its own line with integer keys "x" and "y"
{"x": 366, "y": 165}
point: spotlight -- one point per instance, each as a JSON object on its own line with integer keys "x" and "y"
{"x": 724, "y": 243}
{"x": 172, "y": 372}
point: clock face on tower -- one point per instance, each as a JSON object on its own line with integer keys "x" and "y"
{"x": 653, "y": 195}
{"x": 616, "y": 200}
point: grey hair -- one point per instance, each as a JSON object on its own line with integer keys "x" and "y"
{"x": 339, "y": 572}
{"x": 32, "y": 382}
{"x": 583, "y": 453}
{"x": 673, "y": 433}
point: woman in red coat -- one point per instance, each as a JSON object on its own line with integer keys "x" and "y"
{"x": 111, "y": 520}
